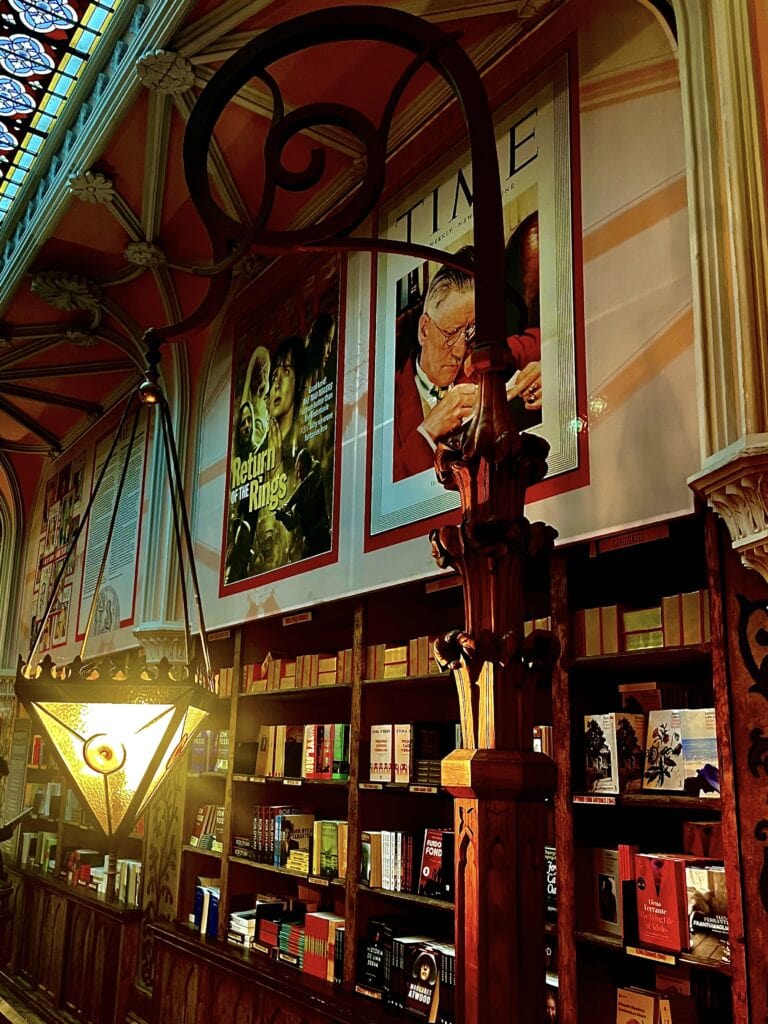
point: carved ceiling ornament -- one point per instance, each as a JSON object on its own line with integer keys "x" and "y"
{"x": 165, "y": 71}
{"x": 737, "y": 490}
{"x": 92, "y": 187}
{"x": 145, "y": 254}
{"x": 85, "y": 339}
{"x": 68, "y": 292}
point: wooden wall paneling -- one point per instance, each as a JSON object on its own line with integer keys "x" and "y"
{"x": 83, "y": 975}
{"x": 52, "y": 922}
{"x": 161, "y": 865}
{"x": 561, "y": 732}
{"x": 745, "y": 621}
{"x": 724, "y": 715}
{"x": 180, "y": 996}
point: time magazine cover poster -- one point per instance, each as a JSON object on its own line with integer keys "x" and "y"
{"x": 424, "y": 315}
{"x": 282, "y": 476}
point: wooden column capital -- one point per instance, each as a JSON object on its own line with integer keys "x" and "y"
{"x": 735, "y": 485}
{"x": 499, "y": 774}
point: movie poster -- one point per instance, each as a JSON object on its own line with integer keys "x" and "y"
{"x": 283, "y": 429}
{"x": 425, "y": 314}
{"x": 62, "y": 508}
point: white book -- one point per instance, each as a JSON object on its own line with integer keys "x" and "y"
{"x": 700, "y": 759}
{"x": 398, "y": 858}
{"x": 403, "y": 741}
{"x": 600, "y": 754}
{"x": 386, "y": 860}
{"x": 664, "y": 767}
{"x": 381, "y": 753}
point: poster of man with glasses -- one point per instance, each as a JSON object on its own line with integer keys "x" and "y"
{"x": 425, "y": 312}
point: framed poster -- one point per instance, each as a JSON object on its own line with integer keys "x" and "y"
{"x": 283, "y": 472}
{"x": 62, "y": 508}
{"x": 116, "y": 599}
{"x": 424, "y": 315}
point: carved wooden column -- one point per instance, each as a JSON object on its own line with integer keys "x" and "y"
{"x": 498, "y": 782}
{"x": 729, "y": 244}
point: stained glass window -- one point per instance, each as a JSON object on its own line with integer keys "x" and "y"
{"x": 44, "y": 46}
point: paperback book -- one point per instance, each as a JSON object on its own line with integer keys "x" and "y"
{"x": 662, "y": 902}
{"x": 702, "y": 775}
{"x": 664, "y": 766}
{"x": 602, "y": 762}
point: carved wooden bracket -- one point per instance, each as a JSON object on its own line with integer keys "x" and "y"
{"x": 737, "y": 489}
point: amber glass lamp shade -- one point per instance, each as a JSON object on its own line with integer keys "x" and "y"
{"x": 116, "y": 737}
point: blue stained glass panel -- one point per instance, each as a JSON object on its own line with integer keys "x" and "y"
{"x": 44, "y": 46}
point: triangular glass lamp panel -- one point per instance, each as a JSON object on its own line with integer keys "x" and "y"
{"x": 189, "y": 725}
{"x": 132, "y": 734}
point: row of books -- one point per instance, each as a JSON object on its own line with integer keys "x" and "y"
{"x": 205, "y": 909}
{"x": 287, "y": 837}
{"x": 395, "y": 861}
{"x": 645, "y": 1006}
{"x": 679, "y": 620}
{"x": 398, "y": 661}
{"x": 406, "y": 752}
{"x": 224, "y": 681}
{"x": 39, "y": 753}
{"x": 669, "y": 902}
{"x": 87, "y": 868}
{"x": 408, "y": 971}
{"x": 208, "y": 828}
{"x": 45, "y": 798}
{"x": 278, "y": 671}
{"x": 292, "y": 932}
{"x": 209, "y": 751}
{"x": 38, "y": 850}
{"x": 316, "y": 751}
{"x": 673, "y": 750}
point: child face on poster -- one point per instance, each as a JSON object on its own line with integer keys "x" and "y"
{"x": 282, "y": 393}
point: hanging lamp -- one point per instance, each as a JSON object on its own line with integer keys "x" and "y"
{"x": 117, "y": 733}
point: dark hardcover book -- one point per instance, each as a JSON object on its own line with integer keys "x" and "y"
{"x": 375, "y": 964}
{"x": 245, "y": 758}
{"x": 550, "y": 867}
{"x": 422, "y": 976}
{"x": 436, "y": 874}
{"x": 338, "y": 955}
{"x": 294, "y": 751}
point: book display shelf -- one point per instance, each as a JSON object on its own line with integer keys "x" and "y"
{"x": 60, "y": 839}
{"x": 641, "y": 742}
{"x": 60, "y": 921}
{"x": 333, "y": 832}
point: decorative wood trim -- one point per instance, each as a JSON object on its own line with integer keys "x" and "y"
{"x": 737, "y": 490}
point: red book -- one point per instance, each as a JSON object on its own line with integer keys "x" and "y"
{"x": 662, "y": 905}
{"x": 436, "y": 874}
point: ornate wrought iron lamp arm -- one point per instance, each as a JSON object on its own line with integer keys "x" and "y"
{"x": 430, "y": 45}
